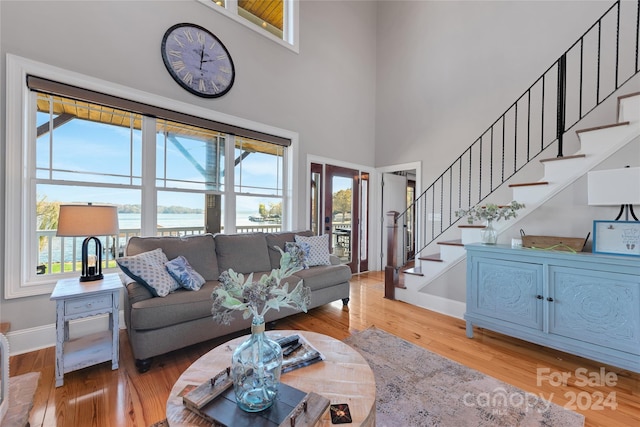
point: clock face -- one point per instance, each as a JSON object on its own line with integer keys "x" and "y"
{"x": 197, "y": 60}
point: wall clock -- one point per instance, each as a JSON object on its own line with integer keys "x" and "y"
{"x": 197, "y": 60}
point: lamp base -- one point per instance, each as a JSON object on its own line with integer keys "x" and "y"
{"x": 91, "y": 278}
{"x": 626, "y": 209}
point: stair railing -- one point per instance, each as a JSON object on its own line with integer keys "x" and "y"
{"x": 585, "y": 75}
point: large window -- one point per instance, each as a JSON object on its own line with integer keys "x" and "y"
{"x": 165, "y": 176}
{"x": 90, "y": 153}
{"x": 275, "y": 19}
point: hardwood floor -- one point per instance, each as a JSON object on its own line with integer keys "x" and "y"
{"x": 98, "y": 396}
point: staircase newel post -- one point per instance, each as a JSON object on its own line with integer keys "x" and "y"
{"x": 390, "y": 272}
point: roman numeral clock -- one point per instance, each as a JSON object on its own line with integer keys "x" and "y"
{"x": 197, "y": 60}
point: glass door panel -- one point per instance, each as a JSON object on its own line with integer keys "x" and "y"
{"x": 341, "y": 212}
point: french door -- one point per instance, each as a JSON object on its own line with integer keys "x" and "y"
{"x": 339, "y": 208}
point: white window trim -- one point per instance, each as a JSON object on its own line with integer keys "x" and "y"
{"x": 17, "y": 281}
{"x": 291, "y": 21}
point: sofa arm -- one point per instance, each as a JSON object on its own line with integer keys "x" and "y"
{"x": 334, "y": 260}
{"x": 136, "y": 292}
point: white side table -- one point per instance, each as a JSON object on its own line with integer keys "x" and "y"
{"x": 76, "y": 300}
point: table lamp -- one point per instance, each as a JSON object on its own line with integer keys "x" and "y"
{"x": 615, "y": 187}
{"x": 88, "y": 220}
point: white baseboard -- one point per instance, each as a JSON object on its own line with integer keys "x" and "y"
{"x": 32, "y": 339}
{"x": 431, "y": 302}
{"x": 446, "y": 306}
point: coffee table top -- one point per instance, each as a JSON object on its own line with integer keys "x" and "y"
{"x": 343, "y": 377}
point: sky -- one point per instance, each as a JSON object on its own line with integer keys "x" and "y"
{"x": 104, "y": 153}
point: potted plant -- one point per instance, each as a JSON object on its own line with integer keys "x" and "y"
{"x": 256, "y": 364}
{"x": 490, "y": 213}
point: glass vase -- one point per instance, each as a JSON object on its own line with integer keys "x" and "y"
{"x": 489, "y": 234}
{"x": 255, "y": 368}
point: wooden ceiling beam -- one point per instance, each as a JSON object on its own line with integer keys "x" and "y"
{"x": 57, "y": 122}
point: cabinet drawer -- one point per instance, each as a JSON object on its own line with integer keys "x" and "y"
{"x": 85, "y": 305}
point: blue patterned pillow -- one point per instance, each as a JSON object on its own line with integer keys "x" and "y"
{"x": 318, "y": 249}
{"x": 180, "y": 269}
{"x": 148, "y": 269}
{"x": 299, "y": 253}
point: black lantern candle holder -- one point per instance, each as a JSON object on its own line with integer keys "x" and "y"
{"x": 91, "y": 264}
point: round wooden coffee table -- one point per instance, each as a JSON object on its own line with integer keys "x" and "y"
{"x": 343, "y": 377}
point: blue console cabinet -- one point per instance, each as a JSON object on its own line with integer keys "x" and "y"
{"x": 582, "y": 303}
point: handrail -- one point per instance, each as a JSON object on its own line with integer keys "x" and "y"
{"x": 585, "y": 75}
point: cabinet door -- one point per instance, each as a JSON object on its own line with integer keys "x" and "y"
{"x": 507, "y": 291}
{"x": 598, "y": 307}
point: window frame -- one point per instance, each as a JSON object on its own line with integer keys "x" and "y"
{"x": 20, "y": 184}
{"x": 291, "y": 21}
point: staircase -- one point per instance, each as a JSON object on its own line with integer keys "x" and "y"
{"x": 499, "y": 166}
{"x": 596, "y": 145}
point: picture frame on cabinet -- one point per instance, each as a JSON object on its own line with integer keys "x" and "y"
{"x": 616, "y": 237}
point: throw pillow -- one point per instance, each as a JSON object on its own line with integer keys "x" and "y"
{"x": 180, "y": 269}
{"x": 148, "y": 269}
{"x": 299, "y": 253}
{"x": 318, "y": 249}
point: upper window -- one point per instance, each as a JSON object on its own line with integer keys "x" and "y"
{"x": 275, "y": 19}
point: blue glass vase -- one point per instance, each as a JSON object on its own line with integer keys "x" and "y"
{"x": 255, "y": 367}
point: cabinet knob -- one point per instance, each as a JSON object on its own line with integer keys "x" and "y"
{"x": 539, "y": 296}
{"x": 549, "y": 299}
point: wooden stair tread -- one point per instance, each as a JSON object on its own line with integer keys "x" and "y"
{"x": 433, "y": 257}
{"x": 471, "y": 226}
{"x": 457, "y": 242}
{"x": 529, "y": 184}
{"x": 629, "y": 95}
{"x": 620, "y": 98}
{"x": 575, "y": 156}
{"x": 612, "y": 125}
{"x": 414, "y": 271}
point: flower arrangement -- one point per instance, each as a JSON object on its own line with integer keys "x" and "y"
{"x": 255, "y": 298}
{"x": 491, "y": 212}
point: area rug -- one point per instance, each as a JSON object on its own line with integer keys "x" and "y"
{"x": 417, "y": 388}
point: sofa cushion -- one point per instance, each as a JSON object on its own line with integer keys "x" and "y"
{"x": 279, "y": 240}
{"x": 324, "y": 276}
{"x": 148, "y": 269}
{"x": 244, "y": 253}
{"x": 181, "y": 306}
{"x": 199, "y": 250}
{"x": 180, "y": 269}
{"x": 319, "y": 249}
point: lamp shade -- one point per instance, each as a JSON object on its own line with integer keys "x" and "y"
{"x": 614, "y": 187}
{"x": 87, "y": 220}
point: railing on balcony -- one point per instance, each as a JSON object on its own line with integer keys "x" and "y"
{"x": 62, "y": 254}
{"x": 588, "y": 73}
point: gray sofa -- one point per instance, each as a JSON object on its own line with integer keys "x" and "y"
{"x": 157, "y": 325}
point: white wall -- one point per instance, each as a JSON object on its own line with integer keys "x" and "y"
{"x": 326, "y": 93}
{"x": 447, "y": 70}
